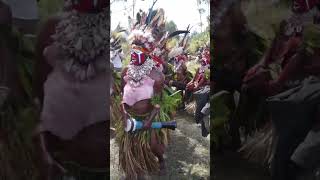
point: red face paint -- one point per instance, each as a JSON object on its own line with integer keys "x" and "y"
{"x": 137, "y": 57}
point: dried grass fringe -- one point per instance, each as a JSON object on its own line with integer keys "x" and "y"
{"x": 135, "y": 155}
{"x": 260, "y": 147}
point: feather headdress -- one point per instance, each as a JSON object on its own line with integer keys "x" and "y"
{"x": 178, "y": 52}
{"x": 148, "y": 33}
{"x": 147, "y": 29}
{"x": 115, "y": 38}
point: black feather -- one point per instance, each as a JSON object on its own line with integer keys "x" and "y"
{"x": 177, "y": 33}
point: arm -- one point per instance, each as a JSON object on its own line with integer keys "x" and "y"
{"x": 147, "y": 124}
{"x": 123, "y": 74}
{"x": 195, "y": 76}
{"x": 178, "y": 84}
{"x": 200, "y": 83}
{"x": 42, "y": 68}
{"x": 159, "y": 79}
{"x": 294, "y": 65}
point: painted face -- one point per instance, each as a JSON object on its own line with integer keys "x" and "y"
{"x": 137, "y": 57}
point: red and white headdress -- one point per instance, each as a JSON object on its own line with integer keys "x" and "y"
{"x": 144, "y": 37}
{"x": 178, "y": 53}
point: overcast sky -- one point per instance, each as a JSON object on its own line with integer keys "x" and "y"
{"x": 182, "y": 12}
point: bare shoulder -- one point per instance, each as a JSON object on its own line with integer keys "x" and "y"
{"x": 157, "y": 75}
{"x": 124, "y": 71}
{"x": 159, "y": 79}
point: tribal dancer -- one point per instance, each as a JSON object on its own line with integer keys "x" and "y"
{"x": 141, "y": 152}
{"x": 292, "y": 62}
{"x": 74, "y": 117}
{"x": 200, "y": 85}
{"x": 233, "y": 56}
{"x": 181, "y": 74}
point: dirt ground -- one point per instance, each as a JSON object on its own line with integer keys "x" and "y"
{"x": 187, "y": 157}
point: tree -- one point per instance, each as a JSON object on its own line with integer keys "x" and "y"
{"x": 201, "y": 10}
{"x": 198, "y": 40}
{"x": 171, "y": 26}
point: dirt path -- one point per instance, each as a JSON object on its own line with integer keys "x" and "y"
{"x": 187, "y": 157}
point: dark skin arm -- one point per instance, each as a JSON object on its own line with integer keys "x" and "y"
{"x": 123, "y": 74}
{"x": 42, "y": 68}
{"x": 159, "y": 79}
{"x": 193, "y": 79}
{"x": 147, "y": 124}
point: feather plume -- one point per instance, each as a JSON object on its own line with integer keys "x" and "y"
{"x": 177, "y": 33}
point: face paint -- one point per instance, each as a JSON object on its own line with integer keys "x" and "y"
{"x": 137, "y": 57}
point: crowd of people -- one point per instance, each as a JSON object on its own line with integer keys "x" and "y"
{"x": 71, "y": 70}
{"x": 151, "y": 88}
{"x": 271, "y": 99}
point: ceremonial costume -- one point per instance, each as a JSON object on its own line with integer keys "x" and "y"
{"x": 287, "y": 75}
{"x": 181, "y": 75}
{"x": 116, "y": 58}
{"x": 75, "y": 110}
{"x": 80, "y": 65}
{"x": 200, "y": 87}
{"x": 141, "y": 150}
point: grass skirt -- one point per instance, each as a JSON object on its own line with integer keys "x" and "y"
{"x": 115, "y": 106}
{"x": 135, "y": 155}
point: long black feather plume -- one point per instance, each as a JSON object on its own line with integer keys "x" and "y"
{"x": 177, "y": 33}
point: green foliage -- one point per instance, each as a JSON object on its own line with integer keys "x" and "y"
{"x": 197, "y": 41}
{"x": 171, "y": 26}
{"x": 221, "y": 113}
{"x": 19, "y": 117}
{"x": 172, "y": 43}
{"x": 168, "y": 103}
{"x": 311, "y": 36}
{"x": 192, "y": 67}
{"x": 48, "y": 8}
